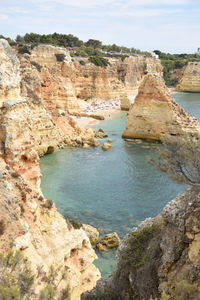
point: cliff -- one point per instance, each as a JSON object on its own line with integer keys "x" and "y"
{"x": 161, "y": 255}
{"x": 190, "y": 80}
{"x": 61, "y": 81}
{"x": 29, "y": 222}
{"x": 155, "y": 115}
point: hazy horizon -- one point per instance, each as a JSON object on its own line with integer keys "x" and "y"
{"x": 170, "y": 26}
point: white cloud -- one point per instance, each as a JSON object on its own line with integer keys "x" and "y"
{"x": 141, "y": 12}
{"x": 17, "y": 10}
{"x": 81, "y": 3}
{"x": 92, "y": 3}
{"x": 3, "y": 17}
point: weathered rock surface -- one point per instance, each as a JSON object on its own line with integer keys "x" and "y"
{"x": 92, "y": 233}
{"x": 61, "y": 84}
{"x": 111, "y": 240}
{"x": 31, "y": 223}
{"x": 155, "y": 115}
{"x": 160, "y": 254}
{"x": 190, "y": 80}
{"x": 106, "y": 146}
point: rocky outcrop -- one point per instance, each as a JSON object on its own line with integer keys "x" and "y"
{"x": 110, "y": 240}
{"x": 155, "y": 115}
{"x": 61, "y": 81}
{"x": 161, "y": 255}
{"x": 29, "y": 222}
{"x": 190, "y": 80}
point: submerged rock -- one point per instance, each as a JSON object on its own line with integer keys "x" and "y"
{"x": 106, "y": 146}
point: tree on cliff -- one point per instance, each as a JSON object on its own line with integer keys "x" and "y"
{"x": 93, "y": 43}
{"x": 180, "y": 159}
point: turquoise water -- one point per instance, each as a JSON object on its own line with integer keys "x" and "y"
{"x": 115, "y": 189}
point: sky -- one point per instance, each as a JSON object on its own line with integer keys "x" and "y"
{"x": 168, "y": 25}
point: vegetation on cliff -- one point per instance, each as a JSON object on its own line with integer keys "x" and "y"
{"x": 93, "y": 49}
{"x": 172, "y": 62}
{"x": 17, "y": 280}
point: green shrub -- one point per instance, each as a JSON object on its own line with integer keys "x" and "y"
{"x": 65, "y": 294}
{"x": 9, "y": 293}
{"x": 82, "y": 62}
{"x": 35, "y": 64}
{"x": 137, "y": 242}
{"x": 24, "y": 49}
{"x": 16, "y": 278}
{"x": 47, "y": 293}
{"x": 75, "y": 224}
{"x": 186, "y": 291}
{"x": 99, "y": 61}
{"x": 60, "y": 57}
{"x": 2, "y": 227}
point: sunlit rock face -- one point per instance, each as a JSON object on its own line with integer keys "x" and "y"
{"x": 190, "y": 80}
{"x": 61, "y": 81}
{"x": 29, "y": 222}
{"x": 155, "y": 115}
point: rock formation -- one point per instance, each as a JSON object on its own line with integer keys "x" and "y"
{"x": 61, "y": 81}
{"x": 155, "y": 115}
{"x": 190, "y": 80}
{"x": 29, "y": 222}
{"x": 161, "y": 255}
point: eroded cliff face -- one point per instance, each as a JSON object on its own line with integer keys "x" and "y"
{"x": 190, "y": 80}
{"x": 29, "y": 222}
{"x": 155, "y": 115}
{"x": 61, "y": 81}
{"x": 161, "y": 255}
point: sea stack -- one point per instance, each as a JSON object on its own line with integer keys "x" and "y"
{"x": 155, "y": 115}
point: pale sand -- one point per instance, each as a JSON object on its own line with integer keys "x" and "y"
{"x": 86, "y": 122}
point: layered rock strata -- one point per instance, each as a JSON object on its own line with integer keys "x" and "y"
{"x": 155, "y": 115}
{"x": 61, "y": 81}
{"x": 190, "y": 80}
{"x": 29, "y": 222}
{"x": 161, "y": 255}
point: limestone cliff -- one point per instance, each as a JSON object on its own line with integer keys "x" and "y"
{"x": 190, "y": 80}
{"x": 161, "y": 255}
{"x": 60, "y": 81}
{"x": 155, "y": 115}
{"x": 29, "y": 222}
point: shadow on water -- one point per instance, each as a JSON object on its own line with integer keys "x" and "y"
{"x": 113, "y": 190}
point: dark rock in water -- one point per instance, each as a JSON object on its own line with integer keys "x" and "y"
{"x": 50, "y": 150}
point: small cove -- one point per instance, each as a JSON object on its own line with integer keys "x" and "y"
{"x": 114, "y": 190}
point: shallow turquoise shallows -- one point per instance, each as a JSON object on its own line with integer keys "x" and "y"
{"x": 114, "y": 189}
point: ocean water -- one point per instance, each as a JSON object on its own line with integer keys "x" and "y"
{"x": 114, "y": 190}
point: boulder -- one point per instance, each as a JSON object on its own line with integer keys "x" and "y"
{"x": 92, "y": 233}
{"x": 100, "y": 134}
{"x": 106, "y": 146}
{"x": 110, "y": 240}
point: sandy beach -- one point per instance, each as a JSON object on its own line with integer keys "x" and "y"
{"x": 106, "y": 109}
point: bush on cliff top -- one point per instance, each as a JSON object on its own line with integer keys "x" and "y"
{"x": 99, "y": 61}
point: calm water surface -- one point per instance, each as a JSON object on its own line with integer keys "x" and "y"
{"x": 114, "y": 190}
